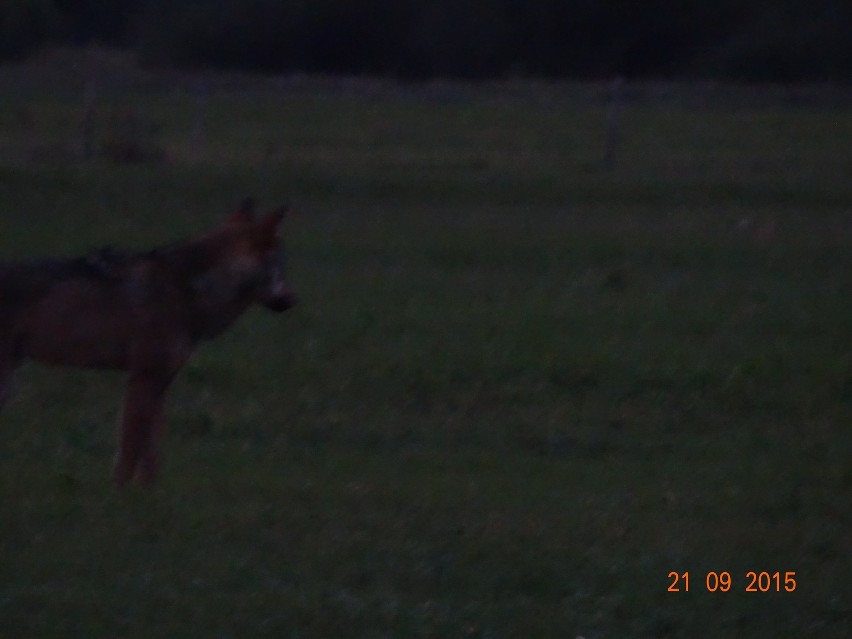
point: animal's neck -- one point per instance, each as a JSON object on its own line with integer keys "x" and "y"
{"x": 218, "y": 293}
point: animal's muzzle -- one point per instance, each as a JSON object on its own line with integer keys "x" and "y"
{"x": 280, "y": 301}
{"x": 274, "y": 292}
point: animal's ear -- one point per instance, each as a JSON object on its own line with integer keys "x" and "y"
{"x": 244, "y": 213}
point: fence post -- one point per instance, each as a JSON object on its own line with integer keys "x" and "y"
{"x": 87, "y": 122}
{"x": 612, "y": 133}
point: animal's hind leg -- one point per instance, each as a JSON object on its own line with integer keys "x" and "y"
{"x": 5, "y": 385}
{"x": 142, "y": 415}
{"x": 6, "y": 371}
{"x": 149, "y": 461}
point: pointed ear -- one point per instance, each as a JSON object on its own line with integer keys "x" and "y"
{"x": 244, "y": 213}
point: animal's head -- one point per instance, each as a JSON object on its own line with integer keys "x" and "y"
{"x": 260, "y": 256}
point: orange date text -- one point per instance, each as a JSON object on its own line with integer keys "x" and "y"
{"x": 723, "y": 581}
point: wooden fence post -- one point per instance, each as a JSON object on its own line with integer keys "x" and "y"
{"x": 87, "y": 122}
{"x": 612, "y": 132}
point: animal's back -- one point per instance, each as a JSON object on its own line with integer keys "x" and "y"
{"x": 25, "y": 280}
{"x": 69, "y": 311}
{"x": 23, "y": 283}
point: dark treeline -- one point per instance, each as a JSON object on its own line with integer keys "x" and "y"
{"x": 774, "y": 40}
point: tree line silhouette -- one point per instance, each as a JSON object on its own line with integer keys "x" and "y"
{"x": 761, "y": 40}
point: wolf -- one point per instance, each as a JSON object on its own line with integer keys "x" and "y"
{"x": 143, "y": 313}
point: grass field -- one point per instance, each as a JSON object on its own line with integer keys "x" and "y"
{"x": 518, "y": 392}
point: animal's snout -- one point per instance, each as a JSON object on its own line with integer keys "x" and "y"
{"x": 281, "y": 300}
{"x": 273, "y": 291}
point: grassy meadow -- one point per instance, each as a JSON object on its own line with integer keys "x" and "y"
{"x": 519, "y": 389}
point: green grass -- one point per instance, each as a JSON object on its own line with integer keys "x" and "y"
{"x": 517, "y": 393}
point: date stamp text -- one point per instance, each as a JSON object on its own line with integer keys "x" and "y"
{"x": 723, "y": 581}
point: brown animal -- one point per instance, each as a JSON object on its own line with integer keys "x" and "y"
{"x": 140, "y": 312}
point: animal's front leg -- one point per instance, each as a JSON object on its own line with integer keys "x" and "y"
{"x": 140, "y": 425}
{"x": 6, "y": 370}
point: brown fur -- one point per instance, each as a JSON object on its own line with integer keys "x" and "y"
{"x": 143, "y": 313}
